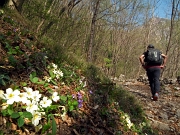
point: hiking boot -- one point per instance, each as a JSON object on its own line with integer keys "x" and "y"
{"x": 155, "y": 98}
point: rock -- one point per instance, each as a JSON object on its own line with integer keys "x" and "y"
{"x": 161, "y": 126}
{"x": 163, "y": 115}
{"x": 178, "y": 113}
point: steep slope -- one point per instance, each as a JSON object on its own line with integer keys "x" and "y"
{"x": 63, "y": 100}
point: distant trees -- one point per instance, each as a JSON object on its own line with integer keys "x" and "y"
{"x": 109, "y": 33}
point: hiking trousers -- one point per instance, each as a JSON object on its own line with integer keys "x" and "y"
{"x": 153, "y": 74}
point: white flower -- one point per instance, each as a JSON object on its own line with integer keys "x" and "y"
{"x": 23, "y": 97}
{"x": 80, "y": 81}
{"x": 36, "y": 96}
{"x": 45, "y": 102}
{"x": 85, "y": 84}
{"x": 47, "y": 79}
{"x": 55, "y": 97}
{"x": 45, "y": 57}
{"x": 29, "y": 92}
{"x": 129, "y": 123}
{"x": 54, "y": 66}
{"x": 2, "y": 94}
{"x": 54, "y": 71}
{"x": 60, "y": 73}
{"x": 31, "y": 106}
{"x": 12, "y": 96}
{"x": 36, "y": 118}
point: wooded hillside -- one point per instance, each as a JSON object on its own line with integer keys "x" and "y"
{"x": 109, "y": 34}
{"x": 64, "y": 52}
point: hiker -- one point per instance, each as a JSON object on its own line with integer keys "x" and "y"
{"x": 153, "y": 61}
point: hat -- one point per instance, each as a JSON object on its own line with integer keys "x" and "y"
{"x": 150, "y": 46}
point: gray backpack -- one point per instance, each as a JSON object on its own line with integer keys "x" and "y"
{"x": 153, "y": 57}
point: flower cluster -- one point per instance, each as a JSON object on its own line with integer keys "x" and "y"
{"x": 53, "y": 69}
{"x": 82, "y": 81}
{"x": 32, "y": 100}
{"x": 80, "y": 99}
{"x": 127, "y": 120}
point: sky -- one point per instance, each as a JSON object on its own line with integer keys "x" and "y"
{"x": 163, "y": 9}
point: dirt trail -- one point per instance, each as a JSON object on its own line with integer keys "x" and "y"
{"x": 163, "y": 114}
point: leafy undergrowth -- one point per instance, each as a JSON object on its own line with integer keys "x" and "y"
{"x": 38, "y": 96}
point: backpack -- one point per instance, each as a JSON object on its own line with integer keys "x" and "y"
{"x": 153, "y": 57}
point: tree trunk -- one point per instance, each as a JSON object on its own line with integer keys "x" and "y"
{"x": 68, "y": 8}
{"x": 48, "y": 12}
{"x": 92, "y": 30}
{"x": 173, "y": 14}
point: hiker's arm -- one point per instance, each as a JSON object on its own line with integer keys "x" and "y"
{"x": 141, "y": 59}
{"x": 165, "y": 59}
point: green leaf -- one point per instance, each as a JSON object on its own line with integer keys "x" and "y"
{"x": 31, "y": 77}
{"x": 63, "y": 98}
{"x": 17, "y": 48}
{"x": 20, "y": 113}
{"x": 53, "y": 107}
{"x": 54, "y": 82}
{"x": 33, "y": 74}
{"x": 20, "y": 122}
{"x": 27, "y": 114}
{"x": 35, "y": 80}
{"x": 71, "y": 108}
{"x": 23, "y": 84}
{"x": 41, "y": 82}
{"x": 10, "y": 111}
{"x": 51, "y": 73}
{"x": 15, "y": 115}
{"x": 75, "y": 103}
{"x": 54, "y": 126}
{"x": 46, "y": 84}
{"x": 2, "y": 82}
{"x": 46, "y": 127}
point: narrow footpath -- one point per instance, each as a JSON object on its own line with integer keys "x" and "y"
{"x": 164, "y": 114}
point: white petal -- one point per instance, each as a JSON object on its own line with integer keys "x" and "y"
{"x": 9, "y": 90}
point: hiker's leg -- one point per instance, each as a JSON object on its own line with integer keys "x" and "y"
{"x": 157, "y": 73}
{"x": 149, "y": 72}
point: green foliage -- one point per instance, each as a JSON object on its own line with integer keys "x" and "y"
{"x": 20, "y": 116}
{"x": 108, "y": 62}
{"x": 33, "y": 77}
{"x": 9, "y": 20}
{"x": 94, "y": 74}
{"x": 4, "y": 79}
{"x": 50, "y": 123}
{"x": 12, "y": 60}
{"x": 130, "y": 110}
{"x": 54, "y": 126}
{"x": 69, "y": 102}
{"x": 128, "y": 103}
